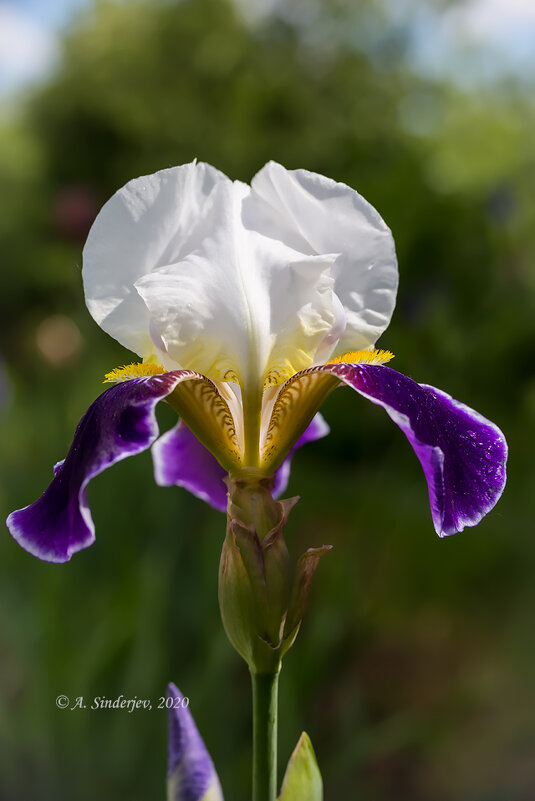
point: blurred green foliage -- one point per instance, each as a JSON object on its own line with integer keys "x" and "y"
{"x": 414, "y": 670}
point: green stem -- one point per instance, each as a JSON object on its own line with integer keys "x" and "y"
{"x": 265, "y": 693}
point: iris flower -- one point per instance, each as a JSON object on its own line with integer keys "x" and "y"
{"x": 247, "y": 306}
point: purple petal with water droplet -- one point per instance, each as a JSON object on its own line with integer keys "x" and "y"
{"x": 463, "y": 454}
{"x": 119, "y": 423}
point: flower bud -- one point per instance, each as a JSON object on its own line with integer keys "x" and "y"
{"x": 262, "y": 602}
{"x": 302, "y": 780}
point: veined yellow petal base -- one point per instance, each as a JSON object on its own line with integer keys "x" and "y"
{"x": 199, "y": 404}
{"x": 134, "y": 370}
{"x": 372, "y": 356}
{"x": 278, "y": 375}
{"x": 299, "y": 400}
{"x": 201, "y": 407}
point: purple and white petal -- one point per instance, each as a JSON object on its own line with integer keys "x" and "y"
{"x": 463, "y": 454}
{"x": 119, "y": 423}
{"x": 181, "y": 460}
{"x": 191, "y": 774}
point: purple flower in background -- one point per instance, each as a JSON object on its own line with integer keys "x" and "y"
{"x": 248, "y": 305}
{"x": 191, "y": 774}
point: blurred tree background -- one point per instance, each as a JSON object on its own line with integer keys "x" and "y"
{"x": 413, "y": 672}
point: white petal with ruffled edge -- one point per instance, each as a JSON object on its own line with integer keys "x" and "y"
{"x": 145, "y": 225}
{"x": 241, "y": 306}
{"x": 318, "y": 215}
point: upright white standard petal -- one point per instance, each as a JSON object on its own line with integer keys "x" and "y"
{"x": 318, "y": 215}
{"x": 145, "y": 225}
{"x": 176, "y": 267}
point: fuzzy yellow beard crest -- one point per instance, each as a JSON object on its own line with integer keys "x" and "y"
{"x": 371, "y": 356}
{"x": 134, "y": 370}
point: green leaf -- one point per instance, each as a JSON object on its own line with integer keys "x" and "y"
{"x": 302, "y": 780}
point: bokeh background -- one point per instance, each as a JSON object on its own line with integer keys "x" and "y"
{"x": 414, "y": 672}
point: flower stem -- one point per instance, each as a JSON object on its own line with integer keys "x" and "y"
{"x": 265, "y": 696}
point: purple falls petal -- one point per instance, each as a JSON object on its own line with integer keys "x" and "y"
{"x": 120, "y": 423}
{"x": 181, "y": 460}
{"x": 463, "y": 454}
{"x": 191, "y": 774}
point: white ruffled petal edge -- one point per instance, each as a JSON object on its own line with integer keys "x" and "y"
{"x": 320, "y": 215}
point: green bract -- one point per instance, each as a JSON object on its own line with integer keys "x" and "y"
{"x": 302, "y": 780}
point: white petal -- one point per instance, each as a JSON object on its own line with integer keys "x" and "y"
{"x": 145, "y": 225}
{"x": 240, "y": 306}
{"x": 317, "y": 215}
